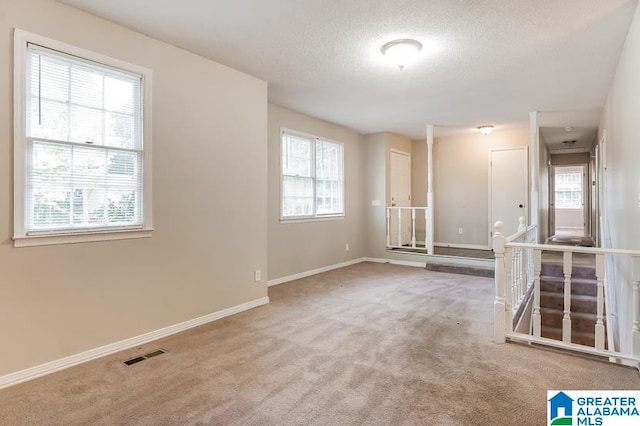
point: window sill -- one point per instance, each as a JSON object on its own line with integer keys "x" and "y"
{"x": 84, "y": 237}
{"x": 312, "y": 219}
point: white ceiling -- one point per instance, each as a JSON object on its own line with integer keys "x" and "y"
{"x": 555, "y": 136}
{"x": 484, "y": 61}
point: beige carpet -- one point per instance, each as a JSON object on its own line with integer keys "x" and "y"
{"x": 370, "y": 344}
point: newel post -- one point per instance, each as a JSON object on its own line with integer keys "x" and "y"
{"x": 499, "y": 305}
{"x": 522, "y": 224}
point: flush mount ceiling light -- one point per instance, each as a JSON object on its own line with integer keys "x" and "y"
{"x": 568, "y": 129}
{"x": 485, "y": 130}
{"x": 401, "y": 52}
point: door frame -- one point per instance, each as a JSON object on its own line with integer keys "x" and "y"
{"x": 586, "y": 197}
{"x": 408, "y": 154}
{"x": 527, "y": 194}
{"x": 390, "y": 201}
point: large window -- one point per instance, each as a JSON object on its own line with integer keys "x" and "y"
{"x": 568, "y": 191}
{"x": 312, "y": 174}
{"x": 81, "y": 145}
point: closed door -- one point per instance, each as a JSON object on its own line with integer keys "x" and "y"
{"x": 568, "y": 201}
{"x": 508, "y": 188}
{"x": 400, "y": 193}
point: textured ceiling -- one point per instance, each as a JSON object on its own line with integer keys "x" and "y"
{"x": 484, "y": 61}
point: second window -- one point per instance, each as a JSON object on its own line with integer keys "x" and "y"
{"x": 312, "y": 176}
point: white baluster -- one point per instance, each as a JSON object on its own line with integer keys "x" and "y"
{"x": 509, "y": 290}
{"x": 511, "y": 260}
{"x": 388, "y": 227}
{"x": 499, "y": 306}
{"x": 413, "y": 228}
{"x": 520, "y": 276}
{"x": 537, "y": 267}
{"x": 635, "y": 330}
{"x": 399, "y": 209}
{"x": 599, "y": 330}
{"x": 566, "y": 319}
{"x": 426, "y": 231}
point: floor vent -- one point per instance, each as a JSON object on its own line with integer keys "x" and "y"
{"x": 143, "y": 357}
{"x": 154, "y": 353}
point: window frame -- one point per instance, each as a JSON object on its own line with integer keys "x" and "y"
{"x": 315, "y": 216}
{"x": 566, "y": 188}
{"x": 21, "y": 147}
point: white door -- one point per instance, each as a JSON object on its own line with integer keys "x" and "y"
{"x": 568, "y": 201}
{"x": 400, "y": 193}
{"x": 508, "y": 188}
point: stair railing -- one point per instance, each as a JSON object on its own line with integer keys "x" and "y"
{"x": 402, "y": 227}
{"x": 518, "y": 266}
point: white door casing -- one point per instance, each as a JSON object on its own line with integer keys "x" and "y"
{"x": 508, "y": 188}
{"x": 400, "y": 195}
{"x": 569, "y": 222}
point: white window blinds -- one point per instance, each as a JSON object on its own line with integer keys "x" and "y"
{"x": 84, "y": 148}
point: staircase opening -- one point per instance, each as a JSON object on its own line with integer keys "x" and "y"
{"x": 584, "y": 300}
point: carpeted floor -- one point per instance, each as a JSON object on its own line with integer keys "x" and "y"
{"x": 371, "y": 344}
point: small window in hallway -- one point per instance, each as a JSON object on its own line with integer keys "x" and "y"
{"x": 569, "y": 190}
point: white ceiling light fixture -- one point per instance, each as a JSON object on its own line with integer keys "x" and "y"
{"x": 401, "y": 52}
{"x": 486, "y": 129}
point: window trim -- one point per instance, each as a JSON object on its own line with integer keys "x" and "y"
{"x": 580, "y": 191}
{"x": 20, "y": 145}
{"x": 316, "y": 217}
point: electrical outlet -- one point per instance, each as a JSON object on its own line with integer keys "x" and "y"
{"x": 460, "y": 231}
{"x": 257, "y": 275}
{"x": 346, "y": 247}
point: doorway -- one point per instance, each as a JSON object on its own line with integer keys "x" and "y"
{"x": 569, "y": 213}
{"x": 400, "y": 196}
{"x": 508, "y": 188}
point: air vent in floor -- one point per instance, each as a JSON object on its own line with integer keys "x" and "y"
{"x": 143, "y": 357}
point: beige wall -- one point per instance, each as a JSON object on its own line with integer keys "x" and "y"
{"x": 543, "y": 191}
{"x": 621, "y": 125}
{"x": 570, "y": 159}
{"x": 210, "y": 194}
{"x": 620, "y": 128}
{"x": 375, "y": 190}
{"x": 301, "y": 247}
{"x": 375, "y": 170}
{"x": 461, "y": 184}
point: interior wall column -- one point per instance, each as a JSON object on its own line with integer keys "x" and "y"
{"x": 430, "y": 210}
{"x": 534, "y": 157}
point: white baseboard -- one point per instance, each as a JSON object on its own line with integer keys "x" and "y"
{"x": 305, "y": 274}
{"x": 70, "y": 361}
{"x": 462, "y": 261}
{"x": 394, "y": 262}
{"x": 462, "y": 246}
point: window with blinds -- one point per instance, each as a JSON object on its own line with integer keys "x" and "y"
{"x": 82, "y": 144}
{"x": 312, "y": 176}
